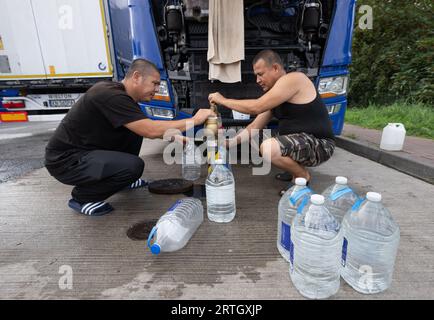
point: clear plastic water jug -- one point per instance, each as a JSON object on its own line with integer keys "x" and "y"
{"x": 212, "y": 154}
{"x": 339, "y": 198}
{"x": 292, "y": 201}
{"x": 220, "y": 194}
{"x": 191, "y": 162}
{"x": 175, "y": 228}
{"x": 317, "y": 239}
{"x": 371, "y": 239}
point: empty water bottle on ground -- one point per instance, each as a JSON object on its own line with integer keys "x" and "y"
{"x": 292, "y": 201}
{"x": 371, "y": 239}
{"x": 317, "y": 239}
{"x": 220, "y": 194}
{"x": 191, "y": 162}
{"x": 176, "y": 227}
{"x": 339, "y": 198}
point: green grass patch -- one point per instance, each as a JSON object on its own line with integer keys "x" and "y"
{"x": 418, "y": 119}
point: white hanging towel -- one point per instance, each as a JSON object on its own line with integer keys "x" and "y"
{"x": 225, "y": 40}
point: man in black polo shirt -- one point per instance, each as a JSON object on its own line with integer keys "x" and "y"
{"x": 96, "y": 146}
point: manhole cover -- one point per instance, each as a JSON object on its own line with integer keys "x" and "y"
{"x": 170, "y": 186}
{"x": 141, "y": 230}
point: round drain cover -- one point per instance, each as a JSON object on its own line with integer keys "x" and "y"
{"x": 141, "y": 230}
{"x": 170, "y": 186}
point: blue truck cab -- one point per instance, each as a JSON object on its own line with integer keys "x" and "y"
{"x": 311, "y": 36}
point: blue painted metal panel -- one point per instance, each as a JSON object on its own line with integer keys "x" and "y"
{"x": 337, "y": 119}
{"x": 119, "y": 14}
{"x": 337, "y": 55}
{"x": 144, "y": 37}
{"x": 338, "y": 47}
{"x": 134, "y": 32}
{"x": 135, "y": 36}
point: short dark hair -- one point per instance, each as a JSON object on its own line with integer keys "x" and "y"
{"x": 269, "y": 56}
{"x": 142, "y": 66}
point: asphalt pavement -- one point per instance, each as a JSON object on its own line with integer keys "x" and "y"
{"x": 42, "y": 239}
{"x": 22, "y": 147}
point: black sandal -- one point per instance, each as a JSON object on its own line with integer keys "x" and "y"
{"x": 284, "y": 176}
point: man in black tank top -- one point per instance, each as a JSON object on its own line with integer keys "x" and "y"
{"x": 305, "y": 136}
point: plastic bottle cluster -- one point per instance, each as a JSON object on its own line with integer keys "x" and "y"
{"x": 174, "y": 229}
{"x": 323, "y": 236}
{"x": 336, "y": 234}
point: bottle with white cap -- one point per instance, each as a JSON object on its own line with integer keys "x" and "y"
{"x": 175, "y": 228}
{"x": 293, "y": 200}
{"x": 339, "y": 198}
{"x": 317, "y": 239}
{"x": 220, "y": 194}
{"x": 371, "y": 240}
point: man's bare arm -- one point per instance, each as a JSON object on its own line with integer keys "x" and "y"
{"x": 154, "y": 129}
{"x": 285, "y": 88}
{"x": 259, "y": 123}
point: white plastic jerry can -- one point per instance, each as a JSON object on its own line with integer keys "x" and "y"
{"x": 393, "y": 137}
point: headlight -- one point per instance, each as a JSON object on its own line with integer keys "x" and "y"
{"x": 160, "y": 112}
{"x": 163, "y": 93}
{"x": 334, "y": 108}
{"x": 332, "y": 87}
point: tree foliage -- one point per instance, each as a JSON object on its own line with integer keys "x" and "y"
{"x": 395, "y": 59}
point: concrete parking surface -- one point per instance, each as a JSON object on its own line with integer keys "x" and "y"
{"x": 239, "y": 260}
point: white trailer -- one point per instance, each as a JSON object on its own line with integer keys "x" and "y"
{"x": 53, "y": 50}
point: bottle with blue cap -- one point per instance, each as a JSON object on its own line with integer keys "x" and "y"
{"x": 220, "y": 194}
{"x": 317, "y": 238}
{"x": 175, "y": 228}
{"x": 339, "y": 198}
{"x": 292, "y": 201}
{"x": 371, "y": 240}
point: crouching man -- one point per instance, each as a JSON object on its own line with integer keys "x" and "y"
{"x": 305, "y": 136}
{"x": 96, "y": 146}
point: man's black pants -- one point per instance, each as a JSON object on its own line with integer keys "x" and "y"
{"x": 98, "y": 174}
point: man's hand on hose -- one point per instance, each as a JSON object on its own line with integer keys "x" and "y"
{"x": 202, "y": 115}
{"x": 216, "y": 98}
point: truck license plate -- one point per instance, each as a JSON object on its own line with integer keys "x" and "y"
{"x": 61, "y": 103}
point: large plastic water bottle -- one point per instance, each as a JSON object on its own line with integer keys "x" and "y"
{"x": 191, "y": 162}
{"x": 293, "y": 200}
{"x": 317, "y": 239}
{"x": 339, "y": 198}
{"x": 371, "y": 239}
{"x": 220, "y": 194}
{"x": 176, "y": 226}
{"x": 212, "y": 154}
{"x": 224, "y": 155}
